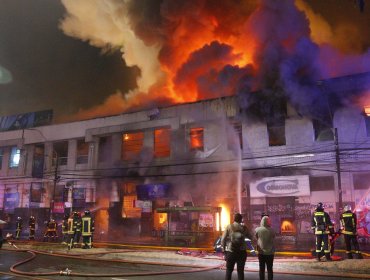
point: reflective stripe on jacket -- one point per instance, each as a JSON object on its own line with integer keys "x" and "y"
{"x": 348, "y": 221}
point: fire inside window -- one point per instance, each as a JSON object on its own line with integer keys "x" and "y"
{"x": 197, "y": 138}
{"x": 162, "y": 143}
{"x": 128, "y": 209}
{"x": 132, "y": 144}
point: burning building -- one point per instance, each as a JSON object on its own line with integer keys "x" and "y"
{"x": 239, "y": 103}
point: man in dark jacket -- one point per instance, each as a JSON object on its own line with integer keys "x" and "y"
{"x": 321, "y": 225}
{"x": 265, "y": 246}
{"x": 235, "y": 247}
{"x": 348, "y": 222}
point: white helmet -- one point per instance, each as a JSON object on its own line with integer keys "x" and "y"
{"x": 347, "y": 208}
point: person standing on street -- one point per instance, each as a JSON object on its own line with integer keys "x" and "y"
{"x": 321, "y": 225}
{"x": 234, "y": 246}
{"x": 87, "y": 230}
{"x": 65, "y": 229}
{"x": 32, "y": 228}
{"x": 18, "y": 228}
{"x": 265, "y": 247}
{"x": 348, "y": 222}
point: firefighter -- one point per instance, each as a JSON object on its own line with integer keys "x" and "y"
{"x": 78, "y": 225}
{"x": 87, "y": 230}
{"x": 321, "y": 226}
{"x": 348, "y": 222}
{"x": 65, "y": 229}
{"x": 51, "y": 230}
{"x": 71, "y": 231}
{"x": 32, "y": 227}
{"x": 18, "y": 228}
{"x": 74, "y": 229}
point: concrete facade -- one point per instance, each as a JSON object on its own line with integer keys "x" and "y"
{"x": 220, "y": 173}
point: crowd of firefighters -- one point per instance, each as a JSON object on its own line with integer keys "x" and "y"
{"x": 323, "y": 228}
{"x": 74, "y": 226}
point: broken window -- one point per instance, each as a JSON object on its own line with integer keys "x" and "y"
{"x": 38, "y": 161}
{"x": 197, "y": 139}
{"x": 60, "y": 153}
{"x": 323, "y": 130}
{"x": 276, "y": 132}
{"x": 162, "y": 145}
{"x": 132, "y": 144}
{"x": 82, "y": 151}
{"x": 235, "y": 137}
{"x": 105, "y": 149}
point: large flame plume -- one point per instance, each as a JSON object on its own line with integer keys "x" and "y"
{"x": 189, "y": 50}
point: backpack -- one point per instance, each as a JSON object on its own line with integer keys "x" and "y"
{"x": 237, "y": 238}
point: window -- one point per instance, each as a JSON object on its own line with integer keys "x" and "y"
{"x": 323, "y": 130}
{"x": 60, "y": 152}
{"x": 15, "y": 156}
{"x": 162, "y": 146}
{"x": 38, "y": 161}
{"x": 323, "y": 183}
{"x": 197, "y": 139}
{"x": 105, "y": 149}
{"x": 361, "y": 181}
{"x": 276, "y": 132}
{"x": 1, "y": 157}
{"x": 82, "y": 151}
{"x": 132, "y": 144}
{"x": 367, "y": 124}
{"x": 235, "y": 137}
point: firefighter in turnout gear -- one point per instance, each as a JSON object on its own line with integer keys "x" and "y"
{"x": 87, "y": 230}
{"x": 348, "y": 222}
{"x": 51, "y": 231}
{"x": 322, "y": 226}
{"x": 65, "y": 229}
{"x": 18, "y": 228}
{"x": 78, "y": 225}
{"x": 74, "y": 229}
{"x": 32, "y": 227}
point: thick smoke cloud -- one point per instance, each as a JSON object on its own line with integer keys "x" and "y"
{"x": 264, "y": 51}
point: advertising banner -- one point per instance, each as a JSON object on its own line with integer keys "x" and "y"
{"x": 152, "y": 191}
{"x": 206, "y": 220}
{"x": 11, "y": 201}
{"x": 26, "y": 120}
{"x": 58, "y": 207}
{"x": 281, "y": 186}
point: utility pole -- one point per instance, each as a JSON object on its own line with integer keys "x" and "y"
{"x": 56, "y": 179}
{"x": 337, "y": 161}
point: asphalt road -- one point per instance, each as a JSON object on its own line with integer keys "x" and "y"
{"x": 45, "y": 264}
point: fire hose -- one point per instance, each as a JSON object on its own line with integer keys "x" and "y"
{"x": 68, "y": 272}
{"x": 193, "y": 268}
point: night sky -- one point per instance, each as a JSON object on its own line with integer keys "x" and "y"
{"x": 42, "y": 68}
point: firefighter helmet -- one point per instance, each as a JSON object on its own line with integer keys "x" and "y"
{"x": 32, "y": 218}
{"x": 347, "y": 208}
{"x": 75, "y": 214}
{"x": 87, "y": 212}
{"x": 319, "y": 206}
{"x": 19, "y": 219}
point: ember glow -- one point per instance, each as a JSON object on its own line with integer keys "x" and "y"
{"x": 190, "y": 50}
{"x": 225, "y": 217}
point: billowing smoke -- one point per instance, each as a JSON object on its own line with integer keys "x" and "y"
{"x": 263, "y": 51}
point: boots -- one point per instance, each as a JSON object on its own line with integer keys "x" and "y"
{"x": 327, "y": 256}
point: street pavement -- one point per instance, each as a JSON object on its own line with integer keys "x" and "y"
{"x": 140, "y": 256}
